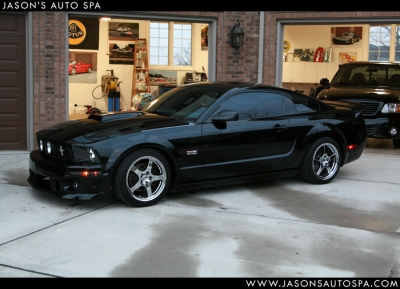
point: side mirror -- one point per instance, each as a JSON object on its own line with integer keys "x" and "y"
{"x": 324, "y": 82}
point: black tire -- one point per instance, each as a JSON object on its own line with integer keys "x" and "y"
{"x": 321, "y": 162}
{"x": 396, "y": 143}
{"x": 142, "y": 178}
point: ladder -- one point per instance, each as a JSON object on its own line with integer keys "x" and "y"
{"x": 141, "y": 77}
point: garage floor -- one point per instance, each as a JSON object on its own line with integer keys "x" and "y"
{"x": 284, "y": 228}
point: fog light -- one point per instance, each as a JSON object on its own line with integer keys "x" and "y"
{"x": 393, "y": 131}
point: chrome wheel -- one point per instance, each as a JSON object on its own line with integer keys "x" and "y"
{"x": 321, "y": 162}
{"x": 146, "y": 178}
{"x": 325, "y": 161}
{"x": 142, "y": 178}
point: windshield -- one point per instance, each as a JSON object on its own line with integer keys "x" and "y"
{"x": 367, "y": 74}
{"x": 184, "y": 103}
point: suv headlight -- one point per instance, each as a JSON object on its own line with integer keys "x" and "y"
{"x": 391, "y": 108}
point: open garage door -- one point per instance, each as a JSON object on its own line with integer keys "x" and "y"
{"x": 13, "y": 120}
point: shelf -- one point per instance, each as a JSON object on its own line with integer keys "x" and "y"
{"x": 141, "y": 76}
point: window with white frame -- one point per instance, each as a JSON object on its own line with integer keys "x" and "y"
{"x": 397, "y": 44}
{"x": 384, "y": 43}
{"x": 178, "y": 51}
{"x": 159, "y": 45}
{"x": 182, "y": 50}
{"x": 379, "y": 42}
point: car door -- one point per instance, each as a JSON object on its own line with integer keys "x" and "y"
{"x": 253, "y": 143}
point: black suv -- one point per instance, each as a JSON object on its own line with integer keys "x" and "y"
{"x": 377, "y": 86}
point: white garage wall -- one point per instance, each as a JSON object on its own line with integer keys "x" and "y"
{"x": 314, "y": 36}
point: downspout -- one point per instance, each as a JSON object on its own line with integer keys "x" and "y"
{"x": 261, "y": 48}
{"x": 29, "y": 88}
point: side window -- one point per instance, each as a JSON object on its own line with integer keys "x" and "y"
{"x": 257, "y": 104}
{"x": 298, "y": 105}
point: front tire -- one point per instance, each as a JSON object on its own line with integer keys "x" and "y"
{"x": 142, "y": 179}
{"x": 321, "y": 162}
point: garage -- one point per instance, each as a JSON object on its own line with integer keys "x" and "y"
{"x": 178, "y": 53}
{"x": 13, "y": 120}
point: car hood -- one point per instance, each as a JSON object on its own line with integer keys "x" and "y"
{"x": 358, "y": 93}
{"x": 357, "y": 107}
{"x": 104, "y": 126}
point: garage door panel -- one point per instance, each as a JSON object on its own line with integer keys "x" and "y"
{"x": 9, "y": 79}
{"x": 12, "y": 25}
{"x": 13, "y": 98}
{"x": 12, "y": 136}
{"x": 9, "y": 106}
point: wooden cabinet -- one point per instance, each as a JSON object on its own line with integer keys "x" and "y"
{"x": 307, "y": 72}
{"x": 141, "y": 76}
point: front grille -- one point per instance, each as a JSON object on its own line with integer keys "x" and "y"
{"x": 371, "y": 108}
{"x": 80, "y": 153}
{"x": 371, "y": 130}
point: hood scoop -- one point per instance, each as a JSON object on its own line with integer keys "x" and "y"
{"x": 108, "y": 117}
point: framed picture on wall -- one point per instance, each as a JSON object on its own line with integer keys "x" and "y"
{"x": 121, "y": 53}
{"x": 204, "y": 37}
{"x": 346, "y": 35}
{"x": 345, "y": 57}
{"x": 82, "y": 67}
{"x": 123, "y": 30}
{"x": 303, "y": 54}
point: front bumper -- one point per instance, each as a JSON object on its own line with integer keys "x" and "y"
{"x": 66, "y": 180}
{"x": 380, "y": 128}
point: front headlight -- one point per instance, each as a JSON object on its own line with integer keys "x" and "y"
{"x": 82, "y": 153}
{"x": 50, "y": 148}
{"x": 92, "y": 155}
{"x": 391, "y": 108}
{"x": 41, "y": 145}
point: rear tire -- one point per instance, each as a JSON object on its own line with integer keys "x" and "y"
{"x": 321, "y": 162}
{"x": 142, "y": 178}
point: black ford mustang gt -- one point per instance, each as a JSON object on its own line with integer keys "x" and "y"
{"x": 195, "y": 136}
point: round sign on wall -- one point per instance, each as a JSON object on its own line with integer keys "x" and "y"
{"x": 286, "y": 46}
{"x": 77, "y": 32}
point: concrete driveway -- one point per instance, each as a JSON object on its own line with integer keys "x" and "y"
{"x": 284, "y": 228}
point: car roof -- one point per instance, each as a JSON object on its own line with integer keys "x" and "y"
{"x": 371, "y": 62}
{"x": 228, "y": 85}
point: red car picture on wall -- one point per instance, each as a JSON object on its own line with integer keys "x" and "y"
{"x": 79, "y": 67}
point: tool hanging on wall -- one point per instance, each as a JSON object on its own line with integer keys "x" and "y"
{"x": 110, "y": 86}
